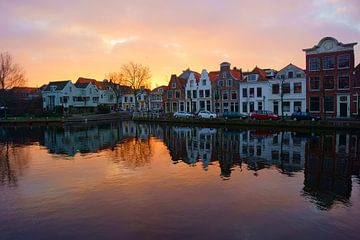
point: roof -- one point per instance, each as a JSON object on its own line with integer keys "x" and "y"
{"x": 100, "y": 85}
{"x": 260, "y": 72}
{"x": 331, "y": 39}
{"x": 81, "y": 85}
{"x": 25, "y": 90}
{"x": 59, "y": 85}
{"x": 125, "y": 89}
{"x": 157, "y": 88}
{"x": 214, "y": 75}
{"x": 185, "y": 74}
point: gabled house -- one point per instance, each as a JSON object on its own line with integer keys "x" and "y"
{"x": 225, "y": 88}
{"x": 329, "y": 67}
{"x": 288, "y": 91}
{"x": 107, "y": 95}
{"x": 254, "y": 89}
{"x": 156, "y": 99}
{"x": 87, "y": 95}
{"x": 198, "y": 92}
{"x": 175, "y": 95}
{"x": 58, "y": 94}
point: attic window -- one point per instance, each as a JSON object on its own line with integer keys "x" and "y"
{"x": 204, "y": 82}
{"x": 252, "y": 77}
{"x": 52, "y": 88}
{"x": 224, "y": 74}
{"x": 290, "y": 74}
{"x": 173, "y": 85}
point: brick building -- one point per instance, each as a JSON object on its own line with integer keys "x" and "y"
{"x": 330, "y": 68}
{"x": 225, "y": 88}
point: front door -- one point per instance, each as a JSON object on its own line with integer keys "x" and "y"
{"x": 276, "y": 107}
{"x": 343, "y": 109}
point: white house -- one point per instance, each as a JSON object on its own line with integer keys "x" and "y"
{"x": 291, "y": 81}
{"x": 59, "y": 94}
{"x": 198, "y": 93}
{"x": 254, "y": 90}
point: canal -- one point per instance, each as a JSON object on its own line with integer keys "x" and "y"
{"x": 137, "y": 181}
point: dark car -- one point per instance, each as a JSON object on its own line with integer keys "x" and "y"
{"x": 230, "y": 115}
{"x": 264, "y": 115}
{"x": 297, "y": 116}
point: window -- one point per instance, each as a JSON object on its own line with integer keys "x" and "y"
{"x": 314, "y": 104}
{"x": 201, "y": 93}
{"x": 252, "y": 106}
{"x": 329, "y": 104}
{"x": 229, "y": 83}
{"x": 252, "y": 77}
{"x": 170, "y": 94}
{"x": 225, "y": 107}
{"x": 208, "y": 105}
{"x": 194, "y": 94}
{"x": 191, "y": 83}
{"x": 251, "y": 94}
{"x": 328, "y": 82}
{"x": 275, "y": 89}
{"x": 298, "y": 75}
{"x": 175, "y": 107}
{"x": 259, "y": 92}
{"x": 202, "y": 105}
{"x": 173, "y": 85}
{"x": 220, "y": 83}
{"x": 234, "y": 107}
{"x": 344, "y": 61}
{"x": 344, "y": 81}
{"x": 233, "y": 95}
{"x": 286, "y": 106}
{"x": 314, "y": 83}
{"x": 260, "y": 106}
{"x": 244, "y": 92}
{"x": 224, "y": 74}
{"x": 290, "y": 74}
{"x": 204, "y": 82}
{"x": 225, "y": 95}
{"x": 275, "y": 155}
{"x": 207, "y": 93}
{"x": 297, "y": 106}
{"x": 297, "y": 87}
{"x": 314, "y": 64}
{"x": 188, "y": 92}
{"x": 244, "y": 107}
{"x": 286, "y": 88}
{"x": 177, "y": 94}
{"x": 328, "y": 62}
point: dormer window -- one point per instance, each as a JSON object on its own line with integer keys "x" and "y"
{"x": 224, "y": 74}
{"x": 52, "y": 88}
{"x": 160, "y": 90}
{"x": 252, "y": 77}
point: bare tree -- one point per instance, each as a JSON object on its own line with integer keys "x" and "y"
{"x": 11, "y": 75}
{"x": 134, "y": 75}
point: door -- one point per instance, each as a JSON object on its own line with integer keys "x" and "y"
{"x": 276, "y": 108}
{"x": 343, "y": 109}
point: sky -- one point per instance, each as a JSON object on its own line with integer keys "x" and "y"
{"x": 68, "y": 39}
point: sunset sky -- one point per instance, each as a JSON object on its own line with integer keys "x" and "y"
{"x": 61, "y": 40}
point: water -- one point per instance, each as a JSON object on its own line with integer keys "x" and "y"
{"x": 137, "y": 181}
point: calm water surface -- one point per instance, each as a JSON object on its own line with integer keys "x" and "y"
{"x": 137, "y": 181}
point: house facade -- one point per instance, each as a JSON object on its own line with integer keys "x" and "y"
{"x": 156, "y": 99}
{"x": 198, "y": 92}
{"x": 329, "y": 67}
{"x": 225, "y": 88}
{"x": 254, "y": 91}
{"x": 290, "y": 82}
{"x": 355, "y": 92}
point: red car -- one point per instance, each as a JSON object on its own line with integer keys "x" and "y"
{"x": 264, "y": 115}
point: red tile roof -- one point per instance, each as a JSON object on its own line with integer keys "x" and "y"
{"x": 98, "y": 84}
{"x": 260, "y": 72}
{"x": 214, "y": 75}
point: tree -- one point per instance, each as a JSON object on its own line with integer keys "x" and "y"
{"x": 134, "y": 75}
{"x": 11, "y": 75}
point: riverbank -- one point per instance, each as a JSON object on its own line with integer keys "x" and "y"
{"x": 280, "y": 124}
{"x": 79, "y": 118}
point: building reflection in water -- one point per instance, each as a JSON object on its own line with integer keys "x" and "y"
{"x": 329, "y": 161}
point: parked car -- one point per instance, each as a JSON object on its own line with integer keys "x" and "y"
{"x": 206, "y": 114}
{"x": 304, "y": 116}
{"x": 183, "y": 115}
{"x": 230, "y": 115}
{"x": 264, "y": 115}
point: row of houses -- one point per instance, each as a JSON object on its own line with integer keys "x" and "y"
{"x": 329, "y": 86}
